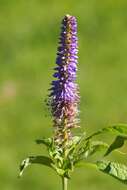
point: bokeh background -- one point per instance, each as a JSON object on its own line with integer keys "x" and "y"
{"x": 28, "y": 40}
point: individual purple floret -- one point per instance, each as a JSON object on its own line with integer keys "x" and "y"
{"x": 64, "y": 96}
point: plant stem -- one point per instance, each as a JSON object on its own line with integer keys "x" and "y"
{"x": 64, "y": 183}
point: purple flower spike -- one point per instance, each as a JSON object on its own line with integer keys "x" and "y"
{"x": 64, "y": 96}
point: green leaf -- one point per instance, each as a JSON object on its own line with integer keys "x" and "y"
{"x": 116, "y": 170}
{"x": 74, "y": 144}
{"x": 35, "y": 160}
{"x": 97, "y": 146}
{"x": 45, "y": 141}
{"x": 117, "y": 129}
{"x": 59, "y": 171}
{"x": 117, "y": 143}
{"x": 91, "y": 148}
{"x": 86, "y": 164}
{"x": 78, "y": 144}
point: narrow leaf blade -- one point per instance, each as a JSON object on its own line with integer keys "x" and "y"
{"x": 45, "y": 141}
{"x": 116, "y": 170}
{"x": 117, "y": 143}
{"x": 90, "y": 148}
{"x": 117, "y": 129}
{"x": 97, "y": 146}
{"x": 35, "y": 160}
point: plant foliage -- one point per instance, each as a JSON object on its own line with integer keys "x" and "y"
{"x": 81, "y": 148}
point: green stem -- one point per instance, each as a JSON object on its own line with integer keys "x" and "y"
{"x": 64, "y": 183}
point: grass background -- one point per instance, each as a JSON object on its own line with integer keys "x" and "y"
{"x": 28, "y": 40}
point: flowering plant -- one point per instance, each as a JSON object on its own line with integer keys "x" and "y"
{"x": 67, "y": 151}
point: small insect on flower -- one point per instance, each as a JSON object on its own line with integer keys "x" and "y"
{"x": 64, "y": 96}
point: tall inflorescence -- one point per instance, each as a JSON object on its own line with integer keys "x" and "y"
{"x": 64, "y": 95}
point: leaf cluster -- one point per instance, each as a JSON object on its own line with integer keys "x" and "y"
{"x": 79, "y": 152}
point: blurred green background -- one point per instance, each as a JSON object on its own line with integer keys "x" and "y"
{"x": 29, "y": 33}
